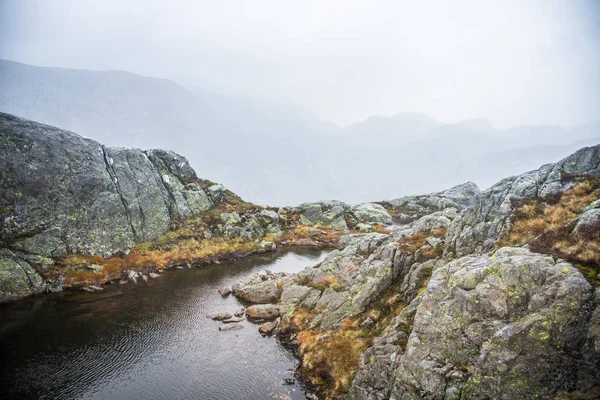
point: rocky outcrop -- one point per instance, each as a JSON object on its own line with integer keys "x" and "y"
{"x": 478, "y": 321}
{"x": 411, "y": 207}
{"x": 506, "y": 326}
{"x": 62, "y": 193}
{"x": 371, "y": 213}
{"x": 479, "y": 226}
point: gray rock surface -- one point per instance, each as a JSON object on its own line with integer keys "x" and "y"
{"x": 506, "y": 326}
{"x": 479, "y": 226}
{"x": 263, "y": 311}
{"x": 459, "y": 197}
{"x": 371, "y": 213}
{"x": 258, "y": 293}
{"x": 331, "y": 214}
{"x": 63, "y": 193}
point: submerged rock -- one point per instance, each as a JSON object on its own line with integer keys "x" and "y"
{"x": 233, "y": 320}
{"x": 267, "y": 328}
{"x": 239, "y": 313}
{"x": 219, "y": 316}
{"x": 224, "y": 291}
{"x": 231, "y": 327}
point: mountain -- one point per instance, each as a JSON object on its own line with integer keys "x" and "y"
{"x": 274, "y": 151}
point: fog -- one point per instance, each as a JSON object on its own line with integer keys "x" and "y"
{"x": 307, "y": 90}
{"x": 513, "y": 62}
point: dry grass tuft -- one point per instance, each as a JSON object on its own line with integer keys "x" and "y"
{"x": 534, "y": 217}
{"x": 410, "y": 244}
{"x": 547, "y": 226}
{"x": 330, "y": 358}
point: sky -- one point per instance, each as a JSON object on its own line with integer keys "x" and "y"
{"x": 513, "y": 62}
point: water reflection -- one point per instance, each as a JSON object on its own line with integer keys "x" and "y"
{"x": 148, "y": 340}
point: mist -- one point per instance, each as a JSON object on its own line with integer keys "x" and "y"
{"x": 286, "y": 102}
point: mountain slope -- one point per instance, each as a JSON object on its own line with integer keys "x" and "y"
{"x": 276, "y": 152}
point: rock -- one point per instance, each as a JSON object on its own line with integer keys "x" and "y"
{"x": 153, "y": 275}
{"x": 216, "y": 193}
{"x": 259, "y": 293}
{"x": 327, "y": 214}
{"x": 267, "y": 245}
{"x": 96, "y": 288}
{"x": 224, "y": 291}
{"x": 589, "y": 221}
{"x": 233, "y": 320}
{"x": 294, "y": 294}
{"x": 489, "y": 217}
{"x": 486, "y": 327}
{"x": 103, "y": 208}
{"x": 95, "y": 268}
{"x": 231, "y": 327}
{"x": 367, "y": 323}
{"x": 123, "y": 282}
{"x": 316, "y": 235}
{"x": 458, "y": 197}
{"x": 262, "y": 311}
{"x": 270, "y": 220}
{"x": 145, "y": 278}
{"x": 267, "y": 328}
{"x": 17, "y": 278}
{"x": 219, "y": 316}
{"x": 372, "y": 213}
{"x": 239, "y": 313}
{"x": 364, "y": 227}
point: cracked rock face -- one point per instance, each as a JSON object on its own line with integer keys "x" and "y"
{"x": 479, "y": 226}
{"x": 62, "y": 193}
{"x": 506, "y": 326}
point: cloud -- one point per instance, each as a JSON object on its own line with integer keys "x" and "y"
{"x": 513, "y": 62}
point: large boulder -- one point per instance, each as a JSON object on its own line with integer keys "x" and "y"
{"x": 505, "y": 326}
{"x": 17, "y": 277}
{"x": 63, "y": 193}
{"x": 267, "y": 312}
{"x": 258, "y": 293}
{"x": 459, "y": 197}
{"x": 372, "y": 213}
{"x": 330, "y": 214}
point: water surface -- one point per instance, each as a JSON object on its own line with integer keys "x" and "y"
{"x": 149, "y": 340}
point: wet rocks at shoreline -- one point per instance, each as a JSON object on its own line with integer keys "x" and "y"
{"x": 231, "y": 327}
{"x": 224, "y": 291}
{"x": 219, "y": 316}
{"x": 265, "y": 312}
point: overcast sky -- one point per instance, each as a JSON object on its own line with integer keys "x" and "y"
{"x": 513, "y": 62}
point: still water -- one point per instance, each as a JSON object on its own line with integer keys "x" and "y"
{"x": 149, "y": 340}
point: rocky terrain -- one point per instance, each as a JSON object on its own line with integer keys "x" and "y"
{"x": 471, "y": 294}
{"x": 460, "y": 294}
{"x": 75, "y": 213}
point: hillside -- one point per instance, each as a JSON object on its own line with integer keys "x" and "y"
{"x": 275, "y": 152}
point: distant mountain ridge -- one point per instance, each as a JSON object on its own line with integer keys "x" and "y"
{"x": 276, "y": 152}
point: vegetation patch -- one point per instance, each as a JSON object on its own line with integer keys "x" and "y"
{"x": 418, "y": 242}
{"x": 191, "y": 242}
{"x": 330, "y": 358}
{"x": 547, "y": 226}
